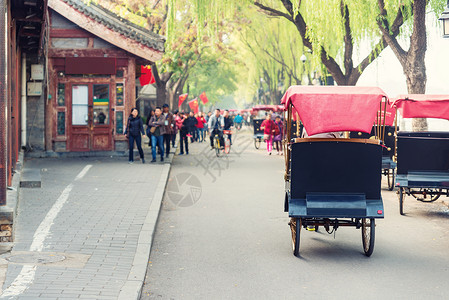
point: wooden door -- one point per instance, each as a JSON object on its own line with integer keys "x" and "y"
{"x": 90, "y": 123}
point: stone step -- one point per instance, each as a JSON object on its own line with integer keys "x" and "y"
{"x": 31, "y": 178}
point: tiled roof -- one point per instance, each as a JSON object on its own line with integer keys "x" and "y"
{"x": 118, "y": 24}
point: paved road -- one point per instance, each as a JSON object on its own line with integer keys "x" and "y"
{"x": 234, "y": 242}
{"x": 82, "y": 234}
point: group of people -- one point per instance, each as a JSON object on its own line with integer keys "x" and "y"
{"x": 163, "y": 127}
{"x": 273, "y": 129}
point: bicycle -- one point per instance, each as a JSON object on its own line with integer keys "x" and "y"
{"x": 227, "y": 141}
{"x": 217, "y": 145}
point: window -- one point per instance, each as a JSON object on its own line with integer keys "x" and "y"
{"x": 61, "y": 94}
{"x": 61, "y": 123}
{"x": 101, "y": 104}
{"x": 119, "y": 122}
{"x": 119, "y": 94}
{"x": 80, "y": 94}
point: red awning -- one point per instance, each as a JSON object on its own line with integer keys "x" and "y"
{"x": 423, "y": 106}
{"x": 335, "y": 108}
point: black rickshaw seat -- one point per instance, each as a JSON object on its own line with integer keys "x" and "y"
{"x": 335, "y": 178}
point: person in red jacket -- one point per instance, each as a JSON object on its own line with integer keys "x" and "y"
{"x": 268, "y": 130}
{"x": 200, "y": 126}
{"x": 278, "y": 135}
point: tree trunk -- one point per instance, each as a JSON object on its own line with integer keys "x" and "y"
{"x": 415, "y": 66}
{"x": 413, "y": 60}
{"x": 415, "y": 73}
{"x": 161, "y": 95}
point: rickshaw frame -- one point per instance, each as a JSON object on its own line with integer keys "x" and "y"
{"x": 426, "y": 186}
{"x": 298, "y": 221}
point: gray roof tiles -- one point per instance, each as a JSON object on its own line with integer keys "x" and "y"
{"x": 118, "y": 24}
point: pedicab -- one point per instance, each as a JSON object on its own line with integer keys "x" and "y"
{"x": 333, "y": 182}
{"x": 261, "y": 110}
{"x": 389, "y": 124}
{"x": 422, "y": 157}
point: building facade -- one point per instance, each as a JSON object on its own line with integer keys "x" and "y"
{"x": 92, "y": 61}
{"x": 67, "y": 78}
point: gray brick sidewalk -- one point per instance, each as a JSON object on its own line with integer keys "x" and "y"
{"x": 100, "y": 226}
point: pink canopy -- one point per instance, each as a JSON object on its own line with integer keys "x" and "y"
{"x": 389, "y": 115}
{"x": 423, "y": 106}
{"x": 335, "y": 108}
{"x": 266, "y": 107}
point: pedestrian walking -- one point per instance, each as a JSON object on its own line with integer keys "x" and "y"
{"x": 157, "y": 129}
{"x": 150, "y": 114}
{"x": 268, "y": 128}
{"x": 278, "y": 135}
{"x": 169, "y": 124}
{"x": 134, "y": 131}
{"x": 175, "y": 128}
{"x": 183, "y": 131}
{"x": 191, "y": 123}
{"x": 200, "y": 126}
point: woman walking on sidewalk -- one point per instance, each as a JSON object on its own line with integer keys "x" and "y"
{"x": 268, "y": 129}
{"x": 183, "y": 131}
{"x": 200, "y": 127}
{"x": 157, "y": 129}
{"x": 133, "y": 131}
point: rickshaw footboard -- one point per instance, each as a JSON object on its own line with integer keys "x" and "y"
{"x": 318, "y": 205}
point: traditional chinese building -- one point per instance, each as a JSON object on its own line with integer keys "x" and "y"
{"x": 20, "y": 40}
{"x": 92, "y": 56}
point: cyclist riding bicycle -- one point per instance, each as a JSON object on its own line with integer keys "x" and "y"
{"x": 216, "y": 125}
{"x": 238, "y": 120}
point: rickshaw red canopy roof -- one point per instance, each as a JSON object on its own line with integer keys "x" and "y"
{"x": 423, "y": 106}
{"x": 335, "y": 108}
{"x": 266, "y": 107}
{"x": 390, "y": 114}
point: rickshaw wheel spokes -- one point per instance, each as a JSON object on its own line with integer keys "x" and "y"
{"x": 390, "y": 179}
{"x": 368, "y": 235}
{"x": 295, "y": 227}
{"x": 427, "y": 195}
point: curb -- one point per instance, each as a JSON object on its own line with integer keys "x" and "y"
{"x": 9, "y": 211}
{"x": 133, "y": 287}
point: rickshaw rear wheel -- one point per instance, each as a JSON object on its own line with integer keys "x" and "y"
{"x": 401, "y": 196}
{"x": 295, "y": 227}
{"x": 423, "y": 197}
{"x": 368, "y": 235}
{"x": 390, "y": 179}
{"x": 257, "y": 143}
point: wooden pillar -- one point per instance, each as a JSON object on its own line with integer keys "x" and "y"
{"x": 3, "y": 97}
{"x": 50, "y": 111}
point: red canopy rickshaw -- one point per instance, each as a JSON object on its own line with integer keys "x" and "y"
{"x": 422, "y": 157}
{"x": 333, "y": 182}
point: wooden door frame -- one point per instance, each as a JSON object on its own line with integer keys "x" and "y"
{"x": 89, "y": 82}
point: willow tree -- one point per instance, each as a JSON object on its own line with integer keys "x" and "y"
{"x": 333, "y": 30}
{"x": 413, "y": 59}
{"x": 272, "y": 56}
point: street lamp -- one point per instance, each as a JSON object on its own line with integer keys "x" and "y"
{"x": 303, "y": 59}
{"x": 445, "y": 18}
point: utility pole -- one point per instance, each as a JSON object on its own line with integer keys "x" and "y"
{"x": 3, "y": 106}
